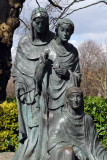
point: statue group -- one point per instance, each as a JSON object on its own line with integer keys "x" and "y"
{"x": 52, "y": 122}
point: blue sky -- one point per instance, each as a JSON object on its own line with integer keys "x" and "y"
{"x": 90, "y": 23}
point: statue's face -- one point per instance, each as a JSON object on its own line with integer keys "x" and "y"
{"x": 40, "y": 24}
{"x": 64, "y": 32}
{"x": 75, "y": 100}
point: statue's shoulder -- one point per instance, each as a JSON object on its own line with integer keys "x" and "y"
{"x": 52, "y": 46}
{"x": 52, "y": 43}
{"x": 73, "y": 49}
{"x": 89, "y": 120}
{"x": 23, "y": 46}
{"x": 24, "y": 40}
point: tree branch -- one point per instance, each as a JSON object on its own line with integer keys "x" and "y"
{"x": 38, "y": 3}
{"x": 63, "y": 12}
{"x": 65, "y": 9}
{"x": 84, "y": 7}
{"x": 25, "y": 24}
{"x": 55, "y": 4}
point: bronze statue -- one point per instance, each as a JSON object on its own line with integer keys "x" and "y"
{"x": 52, "y": 122}
{"x": 74, "y": 136}
{"x": 65, "y": 68}
{"x": 29, "y": 75}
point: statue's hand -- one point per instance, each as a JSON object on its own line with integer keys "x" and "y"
{"x": 20, "y": 93}
{"x": 81, "y": 155}
{"x": 44, "y": 56}
{"x": 61, "y": 72}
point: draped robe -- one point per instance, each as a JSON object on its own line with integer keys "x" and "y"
{"x": 66, "y": 59}
{"x": 75, "y": 131}
{"x": 29, "y": 112}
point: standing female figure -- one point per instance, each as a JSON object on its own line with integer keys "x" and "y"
{"x": 65, "y": 70}
{"x": 30, "y": 80}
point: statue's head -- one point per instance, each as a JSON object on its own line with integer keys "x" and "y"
{"x": 39, "y": 23}
{"x": 74, "y": 97}
{"x": 40, "y": 20}
{"x": 64, "y": 29}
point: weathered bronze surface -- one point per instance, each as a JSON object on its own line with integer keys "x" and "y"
{"x": 52, "y": 122}
{"x": 30, "y": 80}
{"x": 74, "y": 132}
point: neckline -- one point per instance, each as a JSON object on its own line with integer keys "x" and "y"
{"x": 40, "y": 43}
{"x": 77, "y": 117}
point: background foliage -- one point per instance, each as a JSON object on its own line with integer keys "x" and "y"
{"x": 94, "y": 106}
{"x": 8, "y": 125}
{"x": 97, "y": 108}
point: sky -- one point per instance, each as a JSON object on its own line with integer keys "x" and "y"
{"x": 90, "y": 23}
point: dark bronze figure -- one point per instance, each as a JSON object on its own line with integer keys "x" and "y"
{"x": 29, "y": 75}
{"x": 65, "y": 70}
{"x": 73, "y": 136}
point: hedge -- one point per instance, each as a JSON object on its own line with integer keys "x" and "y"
{"x": 8, "y": 125}
{"x": 97, "y": 108}
{"x": 94, "y": 106}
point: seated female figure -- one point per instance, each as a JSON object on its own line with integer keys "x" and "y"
{"x": 74, "y": 135}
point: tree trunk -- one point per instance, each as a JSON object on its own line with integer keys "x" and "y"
{"x": 9, "y": 21}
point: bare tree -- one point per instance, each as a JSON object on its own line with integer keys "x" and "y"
{"x": 93, "y": 61}
{"x": 99, "y": 75}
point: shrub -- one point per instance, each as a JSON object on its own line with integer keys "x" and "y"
{"x": 8, "y": 125}
{"x": 97, "y": 108}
